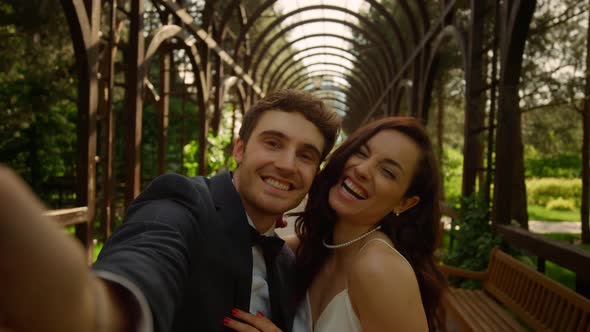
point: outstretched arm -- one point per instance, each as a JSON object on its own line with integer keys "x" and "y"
{"x": 44, "y": 281}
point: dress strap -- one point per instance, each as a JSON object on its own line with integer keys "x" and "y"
{"x": 385, "y": 243}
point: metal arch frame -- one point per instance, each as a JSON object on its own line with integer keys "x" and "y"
{"x": 349, "y": 93}
{"x": 370, "y": 25}
{"x": 318, "y": 20}
{"x": 84, "y": 24}
{"x": 172, "y": 31}
{"x": 356, "y": 91}
{"x": 226, "y": 16}
{"x": 406, "y": 8}
{"x": 448, "y": 32}
{"x": 354, "y": 70}
{"x": 269, "y": 3}
{"x": 279, "y": 71}
{"x": 351, "y": 101}
{"x": 425, "y": 15}
{"x": 414, "y": 56}
{"x": 251, "y": 20}
{"x": 516, "y": 21}
{"x": 389, "y": 70}
{"x": 342, "y": 107}
{"x": 293, "y": 81}
{"x": 181, "y": 14}
{"x": 379, "y": 71}
{"x": 332, "y": 89}
{"x": 320, "y": 93}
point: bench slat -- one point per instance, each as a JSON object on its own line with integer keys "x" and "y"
{"x": 541, "y": 303}
{"x": 499, "y": 313}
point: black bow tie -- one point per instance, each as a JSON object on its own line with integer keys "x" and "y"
{"x": 270, "y": 245}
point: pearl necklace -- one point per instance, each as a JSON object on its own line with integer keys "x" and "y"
{"x": 345, "y": 244}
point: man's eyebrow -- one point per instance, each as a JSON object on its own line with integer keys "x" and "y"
{"x": 281, "y": 135}
{"x": 313, "y": 149}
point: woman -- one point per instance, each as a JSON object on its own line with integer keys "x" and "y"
{"x": 368, "y": 235}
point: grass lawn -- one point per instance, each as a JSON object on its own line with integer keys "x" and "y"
{"x": 97, "y": 249}
{"x": 562, "y": 275}
{"x": 558, "y": 273}
{"x": 537, "y": 212}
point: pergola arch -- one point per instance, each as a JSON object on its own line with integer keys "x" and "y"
{"x": 389, "y": 55}
{"x": 337, "y": 86}
{"x": 374, "y": 87}
{"x": 321, "y": 94}
{"x": 381, "y": 50}
{"x": 283, "y": 17}
{"x": 258, "y": 12}
{"x": 350, "y": 99}
{"x": 430, "y": 70}
{"x": 355, "y": 89}
{"x": 171, "y": 31}
{"x": 294, "y": 80}
{"x": 377, "y": 64}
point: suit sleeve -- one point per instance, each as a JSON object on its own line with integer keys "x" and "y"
{"x": 155, "y": 247}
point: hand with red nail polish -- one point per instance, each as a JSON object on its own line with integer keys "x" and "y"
{"x": 247, "y": 322}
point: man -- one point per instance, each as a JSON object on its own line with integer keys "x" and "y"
{"x": 190, "y": 249}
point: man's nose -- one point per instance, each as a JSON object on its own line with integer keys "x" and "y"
{"x": 286, "y": 160}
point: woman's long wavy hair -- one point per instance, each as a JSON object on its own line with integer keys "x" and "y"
{"x": 415, "y": 233}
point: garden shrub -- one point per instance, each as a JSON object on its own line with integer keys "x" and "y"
{"x": 561, "y": 204}
{"x": 565, "y": 165}
{"x": 452, "y": 167}
{"x": 542, "y": 190}
{"x": 474, "y": 239}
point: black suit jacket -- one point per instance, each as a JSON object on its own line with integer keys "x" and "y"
{"x": 185, "y": 243}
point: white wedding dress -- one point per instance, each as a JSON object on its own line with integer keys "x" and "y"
{"x": 338, "y": 316}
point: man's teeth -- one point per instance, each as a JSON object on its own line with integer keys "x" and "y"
{"x": 277, "y": 184}
{"x": 358, "y": 192}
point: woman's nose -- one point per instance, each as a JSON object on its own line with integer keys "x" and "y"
{"x": 363, "y": 169}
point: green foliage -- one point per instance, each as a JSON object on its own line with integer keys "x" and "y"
{"x": 553, "y": 78}
{"x": 474, "y": 239}
{"x": 561, "y": 204}
{"x": 37, "y": 94}
{"x": 191, "y": 163}
{"x": 541, "y": 165}
{"x": 452, "y": 167}
{"x": 541, "y": 191}
{"x": 218, "y": 154}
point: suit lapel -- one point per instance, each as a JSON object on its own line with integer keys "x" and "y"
{"x": 284, "y": 275}
{"x": 235, "y": 225}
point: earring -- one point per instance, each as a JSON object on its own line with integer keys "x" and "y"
{"x": 396, "y": 213}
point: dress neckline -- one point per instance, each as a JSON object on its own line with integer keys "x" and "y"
{"x": 332, "y": 301}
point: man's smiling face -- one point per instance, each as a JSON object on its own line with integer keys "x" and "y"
{"x": 278, "y": 163}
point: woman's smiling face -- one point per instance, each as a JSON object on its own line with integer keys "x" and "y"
{"x": 375, "y": 179}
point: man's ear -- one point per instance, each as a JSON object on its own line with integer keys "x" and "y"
{"x": 238, "y": 150}
{"x": 407, "y": 203}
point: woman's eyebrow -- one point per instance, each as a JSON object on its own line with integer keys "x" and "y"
{"x": 394, "y": 163}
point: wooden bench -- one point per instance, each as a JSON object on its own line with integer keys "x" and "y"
{"x": 514, "y": 292}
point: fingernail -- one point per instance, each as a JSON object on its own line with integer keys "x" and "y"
{"x": 226, "y": 321}
{"x": 259, "y": 314}
{"x": 234, "y": 312}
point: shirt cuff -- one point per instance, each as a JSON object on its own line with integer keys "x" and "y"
{"x": 144, "y": 323}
